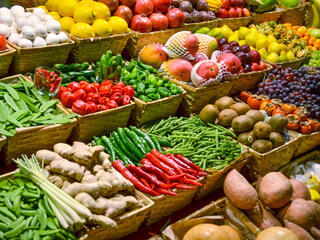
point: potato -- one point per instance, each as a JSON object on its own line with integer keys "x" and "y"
{"x": 239, "y": 191}
{"x": 300, "y": 190}
{"x": 206, "y": 231}
{"x": 300, "y": 232}
{"x": 275, "y": 190}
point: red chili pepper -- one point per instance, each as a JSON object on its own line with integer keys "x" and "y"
{"x": 111, "y": 104}
{"x": 92, "y": 107}
{"x": 145, "y": 182}
{"x": 94, "y": 97}
{"x": 128, "y": 90}
{"x": 83, "y": 84}
{"x": 182, "y": 164}
{"x": 61, "y": 90}
{"x": 165, "y": 191}
{"x": 176, "y": 177}
{"x": 67, "y": 99}
{"x": 118, "y": 165}
{"x": 149, "y": 167}
{"x": 152, "y": 186}
{"x": 105, "y": 91}
{"x": 188, "y": 162}
{"x": 125, "y": 100}
{"x": 190, "y": 176}
{"x": 201, "y": 174}
{"x": 80, "y": 107}
{"x": 91, "y": 88}
{"x": 192, "y": 182}
{"x": 73, "y": 86}
{"x": 167, "y": 160}
{"x": 164, "y": 167}
{"x": 116, "y": 97}
{"x": 107, "y": 83}
{"x": 183, "y": 186}
{"x": 80, "y": 94}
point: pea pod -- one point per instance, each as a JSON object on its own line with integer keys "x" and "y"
{"x": 7, "y": 213}
{"x": 16, "y": 231}
{"x": 17, "y": 205}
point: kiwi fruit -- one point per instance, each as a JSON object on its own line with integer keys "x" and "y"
{"x": 241, "y": 108}
{"x": 278, "y": 122}
{"x": 255, "y": 115}
{"x": 276, "y": 139}
{"x": 209, "y": 113}
{"x": 241, "y": 124}
{"x": 262, "y": 145}
{"x": 226, "y": 116}
{"x": 224, "y": 103}
{"x": 262, "y": 130}
{"x": 246, "y": 138}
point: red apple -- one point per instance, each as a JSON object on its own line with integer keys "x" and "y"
{"x": 226, "y": 4}
{"x": 223, "y": 13}
{"x": 128, "y": 3}
{"x": 246, "y": 12}
{"x": 232, "y": 12}
{"x": 255, "y": 56}
{"x": 239, "y": 12}
{"x": 159, "y": 21}
{"x": 255, "y": 67}
{"x": 141, "y": 23}
{"x": 262, "y": 65}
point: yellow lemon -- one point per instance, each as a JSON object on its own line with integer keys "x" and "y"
{"x": 66, "y": 23}
{"x": 273, "y": 58}
{"x": 262, "y": 43}
{"x": 44, "y": 8}
{"x": 263, "y": 53}
{"x": 242, "y": 42}
{"x": 87, "y": 3}
{"x": 100, "y": 10}
{"x": 83, "y": 14}
{"x": 283, "y": 56}
{"x": 55, "y": 15}
{"x": 66, "y": 8}
{"x": 315, "y": 196}
{"x": 52, "y": 5}
{"x": 290, "y": 56}
{"x": 251, "y": 39}
{"x": 101, "y": 28}
{"x": 271, "y": 39}
{"x": 274, "y": 47}
{"x": 82, "y": 30}
{"x": 243, "y": 32}
{"x": 118, "y": 25}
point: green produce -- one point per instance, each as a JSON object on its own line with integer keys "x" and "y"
{"x": 263, "y": 5}
{"x": 22, "y": 106}
{"x": 25, "y": 212}
{"x": 314, "y": 59}
{"x": 207, "y": 145}
{"x": 288, "y": 3}
{"x": 110, "y": 66}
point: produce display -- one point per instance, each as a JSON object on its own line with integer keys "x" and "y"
{"x": 30, "y": 29}
{"x": 314, "y": 59}
{"x": 233, "y": 9}
{"x": 47, "y": 81}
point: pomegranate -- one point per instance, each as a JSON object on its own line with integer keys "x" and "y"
{"x": 226, "y": 4}
{"x": 159, "y": 21}
{"x": 141, "y": 23}
{"x": 161, "y": 5}
{"x": 246, "y": 12}
{"x": 128, "y": 3}
{"x": 112, "y": 4}
{"x": 179, "y": 68}
{"x": 124, "y": 12}
{"x": 191, "y": 43}
{"x": 223, "y": 13}
{"x": 198, "y": 57}
{"x": 239, "y": 12}
{"x": 231, "y": 61}
{"x": 153, "y": 55}
{"x": 143, "y": 7}
{"x": 175, "y": 17}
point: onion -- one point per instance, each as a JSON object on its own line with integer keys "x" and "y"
{"x": 277, "y": 233}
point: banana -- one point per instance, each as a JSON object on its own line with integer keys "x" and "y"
{"x": 316, "y": 15}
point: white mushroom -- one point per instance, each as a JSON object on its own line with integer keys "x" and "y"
{"x": 4, "y": 30}
{"x": 24, "y": 43}
{"x": 53, "y": 26}
{"x": 52, "y": 39}
{"x": 28, "y": 32}
{"x": 39, "y": 42}
{"x": 14, "y": 38}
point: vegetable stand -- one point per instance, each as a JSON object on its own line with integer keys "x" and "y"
{"x": 236, "y": 23}
{"x": 6, "y": 58}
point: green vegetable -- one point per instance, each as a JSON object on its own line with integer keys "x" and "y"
{"x": 75, "y": 67}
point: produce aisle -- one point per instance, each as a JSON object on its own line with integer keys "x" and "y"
{"x": 170, "y": 119}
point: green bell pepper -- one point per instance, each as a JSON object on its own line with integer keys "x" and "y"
{"x": 144, "y": 98}
{"x": 141, "y": 88}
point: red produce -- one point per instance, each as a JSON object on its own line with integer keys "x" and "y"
{"x": 232, "y": 12}
{"x": 226, "y": 4}
{"x": 161, "y": 5}
{"x": 255, "y": 66}
{"x": 198, "y": 57}
{"x": 255, "y": 56}
{"x": 175, "y": 17}
{"x": 112, "y": 4}
{"x": 191, "y": 43}
{"x": 159, "y": 21}
{"x": 80, "y": 107}
{"x": 246, "y": 12}
{"x": 241, "y": 3}
{"x": 141, "y": 24}
{"x": 124, "y": 12}
{"x": 128, "y": 3}
{"x": 179, "y": 68}
{"x": 232, "y": 62}
{"x": 234, "y": 3}
{"x": 223, "y": 13}
{"x": 208, "y": 70}
{"x": 143, "y": 7}
{"x": 239, "y": 12}
{"x": 262, "y": 65}
{"x": 153, "y": 55}
{"x": 3, "y": 42}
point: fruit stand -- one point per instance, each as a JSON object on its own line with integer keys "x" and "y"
{"x": 160, "y": 119}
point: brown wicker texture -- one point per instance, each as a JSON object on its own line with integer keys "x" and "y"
{"x": 27, "y": 59}
{"x": 146, "y": 112}
{"x": 249, "y": 81}
{"x": 91, "y": 49}
{"x": 263, "y": 163}
{"x": 293, "y": 64}
{"x": 293, "y": 15}
{"x": 307, "y": 143}
{"x": 100, "y": 123}
{"x": 127, "y": 223}
{"x": 6, "y": 58}
{"x": 197, "y": 98}
{"x": 192, "y": 27}
{"x": 25, "y": 3}
{"x": 215, "y": 178}
{"x": 30, "y": 139}
{"x": 235, "y": 23}
{"x": 308, "y": 15}
{"x": 267, "y": 16}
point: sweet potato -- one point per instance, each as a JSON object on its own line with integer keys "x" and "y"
{"x": 300, "y": 190}
{"x": 275, "y": 190}
{"x": 300, "y": 232}
{"x": 239, "y": 191}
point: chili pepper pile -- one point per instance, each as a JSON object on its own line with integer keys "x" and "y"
{"x": 146, "y": 83}
{"x": 47, "y": 81}
{"x": 207, "y": 145}
{"x": 85, "y": 98}
{"x": 25, "y": 213}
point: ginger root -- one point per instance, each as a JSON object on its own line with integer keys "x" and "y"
{"x": 67, "y": 168}
{"x": 47, "y": 156}
{"x": 94, "y": 189}
{"x": 104, "y": 160}
{"x": 90, "y": 203}
{"x": 89, "y": 177}
{"x": 64, "y": 150}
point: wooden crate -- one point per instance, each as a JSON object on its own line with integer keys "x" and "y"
{"x": 91, "y": 49}
{"x": 197, "y": 97}
{"x": 235, "y": 23}
{"x": 295, "y": 16}
{"x": 28, "y": 140}
{"x": 27, "y": 59}
{"x": 307, "y": 143}
{"x": 6, "y": 57}
{"x": 127, "y": 223}
{"x": 145, "y": 112}
{"x": 295, "y": 64}
{"x": 268, "y": 16}
{"x": 192, "y": 27}
{"x": 100, "y": 123}
{"x": 25, "y": 3}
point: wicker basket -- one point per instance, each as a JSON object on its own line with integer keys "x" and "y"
{"x": 91, "y": 49}
{"x": 6, "y": 58}
{"x": 26, "y": 3}
{"x": 192, "y": 27}
{"x": 236, "y": 23}
{"x": 99, "y": 123}
{"x": 268, "y": 16}
{"x": 197, "y": 98}
{"x": 307, "y": 143}
{"x": 27, "y": 59}
{"x": 294, "y": 15}
{"x": 127, "y": 223}
{"x": 295, "y": 64}
{"x": 146, "y": 112}
{"x": 249, "y": 81}
{"x": 215, "y": 178}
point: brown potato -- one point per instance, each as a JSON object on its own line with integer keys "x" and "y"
{"x": 276, "y": 233}
{"x": 300, "y": 232}
{"x": 300, "y": 190}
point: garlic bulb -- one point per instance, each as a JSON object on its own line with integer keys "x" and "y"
{"x": 53, "y": 26}
{"x": 33, "y": 20}
{"x": 40, "y": 30}
{"x": 28, "y": 32}
{"x": 4, "y": 30}
{"x": 24, "y": 43}
{"x": 21, "y": 22}
{"x": 63, "y": 37}
{"x": 39, "y": 13}
{"x": 14, "y": 38}
{"x": 13, "y": 29}
{"x": 48, "y": 18}
{"x": 39, "y": 42}
{"x": 52, "y": 39}
{"x": 5, "y": 10}
{"x": 16, "y": 9}
{"x": 6, "y": 18}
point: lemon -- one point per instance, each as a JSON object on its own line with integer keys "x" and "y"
{"x": 283, "y": 56}
{"x": 101, "y": 28}
{"x": 52, "y": 5}
{"x": 44, "y": 8}
{"x": 66, "y": 8}
{"x": 243, "y": 32}
{"x": 283, "y": 47}
{"x": 83, "y": 14}
{"x": 261, "y": 36}
{"x": 100, "y": 10}
{"x": 263, "y": 53}
{"x": 55, "y": 15}
{"x": 66, "y": 23}
{"x": 242, "y": 42}
{"x": 118, "y": 25}
{"x": 87, "y": 3}
{"x": 234, "y": 37}
{"x": 262, "y": 43}
{"x": 254, "y": 30}
{"x": 251, "y": 39}
{"x": 273, "y": 58}
{"x": 82, "y": 30}
{"x": 290, "y": 56}
{"x": 274, "y": 47}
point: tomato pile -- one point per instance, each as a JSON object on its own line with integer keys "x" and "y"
{"x": 85, "y": 98}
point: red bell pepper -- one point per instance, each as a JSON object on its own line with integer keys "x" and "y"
{"x": 92, "y": 107}
{"x": 61, "y": 90}
{"x": 105, "y": 91}
{"x": 80, "y": 107}
{"x": 128, "y": 90}
{"x": 94, "y": 97}
{"x": 116, "y": 97}
{"x": 80, "y": 94}
{"x": 120, "y": 84}
{"x": 126, "y": 100}
{"x": 91, "y": 88}
{"x": 73, "y": 86}
{"x": 111, "y": 104}
{"x": 104, "y": 107}
{"x": 67, "y": 99}
{"x": 107, "y": 83}
{"x": 167, "y": 160}
{"x": 83, "y": 84}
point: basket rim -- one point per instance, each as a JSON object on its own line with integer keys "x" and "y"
{"x": 287, "y": 62}
{"x": 69, "y": 42}
{"x": 9, "y": 50}
{"x": 77, "y": 39}
{"x": 202, "y": 22}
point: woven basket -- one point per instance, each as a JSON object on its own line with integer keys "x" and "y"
{"x": 99, "y": 123}
{"x": 307, "y": 143}
{"x": 127, "y": 223}
{"x": 215, "y": 178}
{"x": 146, "y": 112}
{"x": 235, "y": 23}
{"x": 249, "y": 81}
{"x": 26, "y": 3}
{"x": 91, "y": 49}
{"x": 295, "y": 64}
{"x": 268, "y": 16}
{"x": 27, "y": 59}
{"x": 197, "y": 98}
{"x": 293, "y": 15}
{"x": 192, "y": 27}
{"x": 6, "y": 58}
